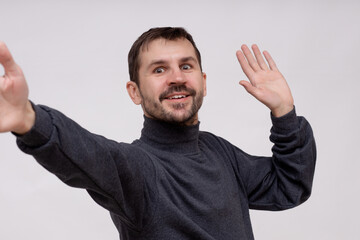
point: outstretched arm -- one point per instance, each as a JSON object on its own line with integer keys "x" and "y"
{"x": 16, "y": 112}
{"x": 266, "y": 84}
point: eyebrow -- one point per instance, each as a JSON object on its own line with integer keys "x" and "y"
{"x": 188, "y": 59}
{"x": 182, "y": 60}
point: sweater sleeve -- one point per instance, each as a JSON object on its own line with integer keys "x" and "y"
{"x": 284, "y": 180}
{"x": 112, "y": 176}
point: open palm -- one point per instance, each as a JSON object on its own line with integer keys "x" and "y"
{"x": 266, "y": 84}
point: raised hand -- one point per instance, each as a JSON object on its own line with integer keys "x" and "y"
{"x": 16, "y": 113}
{"x": 266, "y": 84}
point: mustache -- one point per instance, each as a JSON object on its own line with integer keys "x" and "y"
{"x": 177, "y": 88}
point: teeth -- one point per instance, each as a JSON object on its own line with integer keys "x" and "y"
{"x": 177, "y": 97}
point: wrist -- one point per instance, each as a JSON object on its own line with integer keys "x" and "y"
{"x": 28, "y": 120}
{"x": 281, "y": 111}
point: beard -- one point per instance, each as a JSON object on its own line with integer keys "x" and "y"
{"x": 176, "y": 113}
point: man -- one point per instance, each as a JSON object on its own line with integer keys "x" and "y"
{"x": 175, "y": 182}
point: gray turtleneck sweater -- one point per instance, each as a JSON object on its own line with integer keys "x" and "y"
{"x": 177, "y": 182}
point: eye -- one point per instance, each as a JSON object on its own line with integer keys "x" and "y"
{"x": 186, "y": 67}
{"x": 159, "y": 70}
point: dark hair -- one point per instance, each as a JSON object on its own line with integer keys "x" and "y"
{"x": 168, "y": 33}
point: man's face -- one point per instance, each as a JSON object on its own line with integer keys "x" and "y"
{"x": 172, "y": 85}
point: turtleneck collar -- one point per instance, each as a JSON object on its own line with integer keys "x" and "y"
{"x": 170, "y": 137}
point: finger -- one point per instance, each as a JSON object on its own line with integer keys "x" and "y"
{"x": 250, "y": 58}
{"x": 270, "y": 61}
{"x": 244, "y": 64}
{"x": 6, "y": 59}
{"x": 259, "y": 57}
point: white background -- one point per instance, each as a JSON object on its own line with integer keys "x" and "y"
{"x": 74, "y": 55}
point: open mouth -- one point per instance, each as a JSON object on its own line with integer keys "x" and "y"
{"x": 176, "y": 97}
{"x": 177, "y": 93}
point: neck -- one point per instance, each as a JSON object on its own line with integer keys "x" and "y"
{"x": 171, "y": 137}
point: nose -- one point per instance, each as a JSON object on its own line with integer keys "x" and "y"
{"x": 177, "y": 77}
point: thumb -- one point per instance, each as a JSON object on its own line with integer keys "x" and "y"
{"x": 248, "y": 87}
{"x": 6, "y": 59}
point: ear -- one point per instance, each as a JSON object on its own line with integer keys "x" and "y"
{"x": 204, "y": 83}
{"x": 134, "y": 92}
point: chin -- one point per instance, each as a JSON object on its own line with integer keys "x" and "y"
{"x": 175, "y": 118}
{"x": 181, "y": 114}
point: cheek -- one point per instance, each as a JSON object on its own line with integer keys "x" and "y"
{"x": 151, "y": 90}
{"x": 200, "y": 85}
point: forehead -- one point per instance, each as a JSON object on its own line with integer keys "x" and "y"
{"x": 167, "y": 50}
